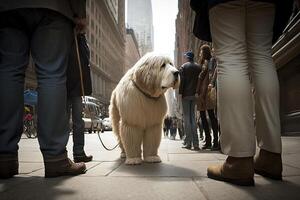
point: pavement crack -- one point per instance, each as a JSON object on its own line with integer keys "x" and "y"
{"x": 201, "y": 189}
{"x": 114, "y": 169}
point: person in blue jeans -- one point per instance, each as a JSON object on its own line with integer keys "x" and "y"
{"x": 44, "y": 30}
{"x": 189, "y": 73}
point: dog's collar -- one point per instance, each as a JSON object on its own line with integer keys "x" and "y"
{"x": 144, "y": 93}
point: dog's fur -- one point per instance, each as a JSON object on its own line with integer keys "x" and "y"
{"x": 138, "y": 106}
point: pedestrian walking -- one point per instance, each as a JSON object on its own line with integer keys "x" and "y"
{"x": 189, "y": 73}
{"x": 44, "y": 30}
{"x": 242, "y": 34}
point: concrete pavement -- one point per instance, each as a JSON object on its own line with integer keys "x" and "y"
{"x": 181, "y": 175}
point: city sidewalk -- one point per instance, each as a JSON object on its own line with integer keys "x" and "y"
{"x": 181, "y": 176}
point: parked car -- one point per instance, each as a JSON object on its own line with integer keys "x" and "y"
{"x": 91, "y": 117}
{"x": 107, "y": 124}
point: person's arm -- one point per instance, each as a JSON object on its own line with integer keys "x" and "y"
{"x": 203, "y": 73}
{"x": 181, "y": 86}
{"x": 78, "y": 8}
{"x": 214, "y": 78}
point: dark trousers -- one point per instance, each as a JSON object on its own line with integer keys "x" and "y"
{"x": 75, "y": 105}
{"x": 46, "y": 35}
{"x": 214, "y": 125}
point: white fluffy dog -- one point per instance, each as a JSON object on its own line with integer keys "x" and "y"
{"x": 138, "y": 106}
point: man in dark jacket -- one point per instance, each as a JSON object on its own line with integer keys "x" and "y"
{"x": 44, "y": 29}
{"x": 189, "y": 73}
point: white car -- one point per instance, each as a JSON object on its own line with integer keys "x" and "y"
{"x": 107, "y": 124}
{"x": 91, "y": 117}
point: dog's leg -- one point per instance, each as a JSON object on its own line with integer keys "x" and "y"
{"x": 151, "y": 142}
{"x": 115, "y": 120}
{"x": 132, "y": 139}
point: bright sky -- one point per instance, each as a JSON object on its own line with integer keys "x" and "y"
{"x": 164, "y": 16}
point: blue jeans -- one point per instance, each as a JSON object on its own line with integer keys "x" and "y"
{"x": 47, "y": 36}
{"x": 75, "y": 103}
{"x": 189, "y": 119}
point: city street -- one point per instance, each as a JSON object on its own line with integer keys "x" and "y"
{"x": 181, "y": 175}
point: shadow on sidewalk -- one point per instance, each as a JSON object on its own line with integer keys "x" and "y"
{"x": 34, "y": 187}
{"x": 271, "y": 189}
{"x": 158, "y": 170}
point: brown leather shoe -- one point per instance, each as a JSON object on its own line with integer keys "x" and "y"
{"x": 62, "y": 166}
{"x": 9, "y": 165}
{"x": 82, "y": 158}
{"x": 268, "y": 164}
{"x": 238, "y": 171}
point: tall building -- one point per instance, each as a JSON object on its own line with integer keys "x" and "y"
{"x": 139, "y": 18}
{"x": 185, "y": 40}
{"x": 132, "y": 50}
{"x": 106, "y": 37}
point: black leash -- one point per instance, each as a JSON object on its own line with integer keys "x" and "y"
{"x": 108, "y": 149}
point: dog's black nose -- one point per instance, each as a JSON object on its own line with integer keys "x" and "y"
{"x": 176, "y": 73}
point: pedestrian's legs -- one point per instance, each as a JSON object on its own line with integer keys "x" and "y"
{"x": 193, "y": 124}
{"x": 260, "y": 18}
{"x": 228, "y": 27}
{"x": 214, "y": 125}
{"x": 187, "y": 124}
{"x": 50, "y": 45}
{"x": 200, "y": 128}
{"x": 14, "y": 56}
{"x": 78, "y": 126}
{"x": 206, "y": 128}
{"x": 234, "y": 88}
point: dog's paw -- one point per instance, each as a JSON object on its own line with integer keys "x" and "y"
{"x": 152, "y": 159}
{"x": 122, "y": 155}
{"x": 133, "y": 161}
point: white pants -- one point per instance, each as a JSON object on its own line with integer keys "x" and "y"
{"x": 242, "y": 37}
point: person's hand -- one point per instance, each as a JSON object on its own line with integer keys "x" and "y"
{"x": 81, "y": 25}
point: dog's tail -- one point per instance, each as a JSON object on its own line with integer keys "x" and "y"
{"x": 114, "y": 115}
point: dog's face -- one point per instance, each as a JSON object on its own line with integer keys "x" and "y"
{"x": 154, "y": 74}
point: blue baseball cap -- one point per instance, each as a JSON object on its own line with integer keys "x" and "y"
{"x": 189, "y": 54}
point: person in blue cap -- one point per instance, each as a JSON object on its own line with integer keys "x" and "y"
{"x": 189, "y": 73}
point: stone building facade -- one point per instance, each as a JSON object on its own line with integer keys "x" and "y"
{"x": 132, "y": 50}
{"x": 185, "y": 40}
{"x": 106, "y": 37}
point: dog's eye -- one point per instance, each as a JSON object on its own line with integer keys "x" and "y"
{"x": 163, "y": 66}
